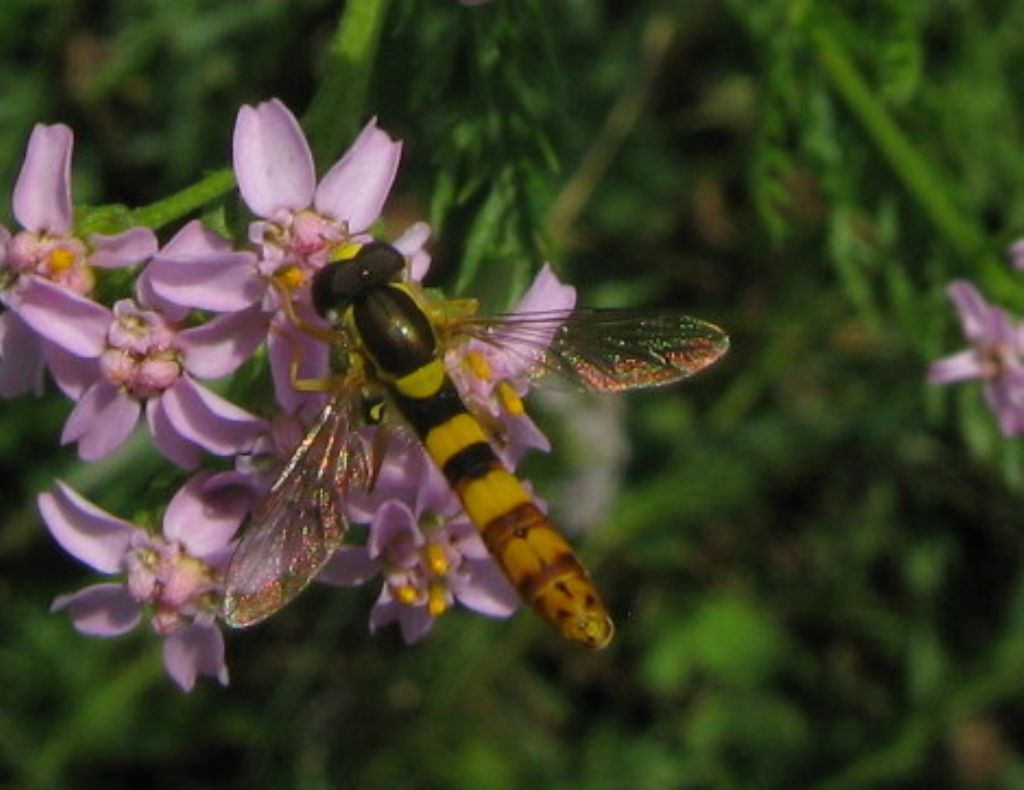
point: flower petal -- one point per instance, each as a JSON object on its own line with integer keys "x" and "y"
{"x": 204, "y": 521}
{"x": 127, "y": 248}
{"x": 522, "y": 436}
{"x": 101, "y": 610}
{"x": 73, "y": 374}
{"x": 272, "y": 160}
{"x": 83, "y": 530}
{"x": 219, "y": 346}
{"x": 466, "y": 539}
{"x": 284, "y": 344}
{"x": 433, "y": 492}
{"x": 193, "y": 651}
{"x": 206, "y": 419}
{"x": 42, "y": 195}
{"x": 412, "y": 239}
{"x": 77, "y": 324}
{"x": 484, "y": 589}
{"x": 348, "y": 567}
{"x": 547, "y": 292}
{"x": 410, "y": 244}
{"x": 103, "y": 417}
{"x": 975, "y": 312}
{"x": 1004, "y": 396}
{"x": 414, "y": 621}
{"x": 957, "y": 367}
{"x": 394, "y": 531}
{"x": 173, "y": 447}
{"x": 101, "y": 421}
{"x": 148, "y": 298}
{"x": 354, "y": 190}
{"x": 21, "y": 358}
{"x": 198, "y": 268}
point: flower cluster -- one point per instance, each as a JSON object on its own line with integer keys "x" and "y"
{"x": 995, "y": 356}
{"x": 201, "y": 307}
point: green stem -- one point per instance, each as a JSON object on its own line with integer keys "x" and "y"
{"x": 337, "y": 109}
{"x": 919, "y": 176}
{"x": 333, "y": 118}
{"x": 165, "y": 211}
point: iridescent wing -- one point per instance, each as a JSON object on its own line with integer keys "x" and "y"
{"x": 602, "y": 350}
{"x": 300, "y": 521}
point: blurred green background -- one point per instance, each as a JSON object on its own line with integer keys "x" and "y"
{"x": 813, "y": 557}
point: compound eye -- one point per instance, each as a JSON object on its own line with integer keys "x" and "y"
{"x": 380, "y": 261}
{"x": 330, "y": 291}
{"x": 339, "y": 284}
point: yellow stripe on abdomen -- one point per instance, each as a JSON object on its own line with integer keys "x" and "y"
{"x": 445, "y": 440}
{"x": 491, "y": 496}
{"x": 423, "y": 382}
{"x": 548, "y": 576}
{"x": 525, "y": 545}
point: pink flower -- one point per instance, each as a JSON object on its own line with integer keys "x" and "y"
{"x": 46, "y": 251}
{"x": 301, "y": 225}
{"x": 175, "y": 579}
{"x": 493, "y": 376}
{"x": 198, "y": 268}
{"x": 996, "y": 356}
{"x": 428, "y": 553}
{"x": 113, "y": 362}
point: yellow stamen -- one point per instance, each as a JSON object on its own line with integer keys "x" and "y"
{"x": 406, "y": 593}
{"x": 132, "y": 323}
{"x": 289, "y": 277}
{"x": 478, "y": 365}
{"x": 510, "y": 399}
{"x": 345, "y": 251}
{"x": 437, "y": 599}
{"x": 61, "y": 260}
{"x": 436, "y": 559}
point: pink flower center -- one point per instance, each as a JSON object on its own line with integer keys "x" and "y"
{"x": 176, "y": 585}
{"x": 59, "y": 259}
{"x": 294, "y": 245}
{"x": 419, "y": 576}
{"x": 141, "y": 355}
{"x": 997, "y": 359}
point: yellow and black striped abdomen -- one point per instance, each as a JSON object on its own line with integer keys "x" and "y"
{"x": 535, "y": 558}
{"x": 397, "y": 336}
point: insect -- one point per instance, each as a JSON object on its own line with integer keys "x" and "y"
{"x": 393, "y": 340}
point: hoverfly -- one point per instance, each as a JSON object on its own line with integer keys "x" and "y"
{"x": 394, "y": 340}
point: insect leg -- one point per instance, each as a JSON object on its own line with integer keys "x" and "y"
{"x": 331, "y": 337}
{"x": 381, "y": 442}
{"x": 448, "y": 315}
{"x": 300, "y": 383}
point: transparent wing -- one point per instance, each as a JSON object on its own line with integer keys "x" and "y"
{"x": 300, "y": 521}
{"x": 602, "y": 350}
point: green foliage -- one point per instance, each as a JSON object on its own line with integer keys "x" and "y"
{"x": 814, "y": 559}
{"x": 481, "y": 89}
